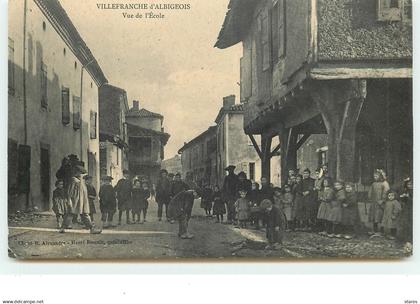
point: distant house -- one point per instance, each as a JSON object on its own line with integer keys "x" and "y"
{"x": 172, "y": 165}
{"x": 113, "y": 137}
{"x": 234, "y": 147}
{"x": 198, "y": 157}
{"x": 147, "y": 140}
{"x": 53, "y": 81}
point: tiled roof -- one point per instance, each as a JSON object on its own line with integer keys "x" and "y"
{"x": 237, "y": 21}
{"x": 133, "y": 112}
{"x": 236, "y": 108}
{"x": 211, "y": 131}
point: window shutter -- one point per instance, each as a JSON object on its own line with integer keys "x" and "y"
{"x": 281, "y": 6}
{"x": 265, "y": 40}
{"x": 44, "y": 80}
{"x": 65, "y": 104}
{"x": 76, "y": 113}
{"x": 93, "y": 120}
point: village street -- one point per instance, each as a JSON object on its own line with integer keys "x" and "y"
{"x": 34, "y": 236}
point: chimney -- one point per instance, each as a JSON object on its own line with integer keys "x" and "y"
{"x": 228, "y": 102}
{"x": 136, "y": 105}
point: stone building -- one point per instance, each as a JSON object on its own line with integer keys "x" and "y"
{"x": 147, "y": 140}
{"x": 234, "y": 147}
{"x": 113, "y": 137}
{"x": 53, "y": 81}
{"x": 198, "y": 157}
{"x": 337, "y": 68}
{"x": 172, "y": 165}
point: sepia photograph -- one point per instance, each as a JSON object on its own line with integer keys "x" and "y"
{"x": 222, "y": 130}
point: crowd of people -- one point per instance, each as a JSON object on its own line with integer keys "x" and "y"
{"x": 311, "y": 203}
{"x": 308, "y": 203}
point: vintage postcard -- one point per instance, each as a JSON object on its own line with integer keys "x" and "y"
{"x": 221, "y": 130}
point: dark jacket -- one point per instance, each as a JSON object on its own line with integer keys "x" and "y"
{"x": 243, "y": 185}
{"x": 266, "y": 192}
{"x": 107, "y": 201}
{"x": 275, "y": 218}
{"x": 178, "y": 186}
{"x": 181, "y": 205}
{"x": 163, "y": 190}
{"x": 229, "y": 187}
{"x": 123, "y": 190}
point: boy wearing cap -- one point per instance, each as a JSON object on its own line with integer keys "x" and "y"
{"x": 107, "y": 202}
{"x": 276, "y": 224}
{"x": 180, "y": 208}
{"x": 123, "y": 191}
{"x": 163, "y": 193}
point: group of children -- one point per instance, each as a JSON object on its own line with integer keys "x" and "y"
{"x": 127, "y": 196}
{"x": 330, "y": 208}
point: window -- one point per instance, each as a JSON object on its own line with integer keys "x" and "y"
{"x": 65, "y": 105}
{"x": 44, "y": 25}
{"x": 265, "y": 40}
{"x": 44, "y": 81}
{"x": 75, "y": 65}
{"x": 407, "y": 10}
{"x": 93, "y": 127}
{"x": 389, "y": 10}
{"x": 77, "y": 120}
{"x": 64, "y": 51}
{"x": 11, "y": 66}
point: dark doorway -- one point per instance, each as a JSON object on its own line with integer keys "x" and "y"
{"x": 45, "y": 177}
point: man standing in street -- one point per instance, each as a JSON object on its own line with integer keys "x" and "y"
{"x": 180, "y": 208}
{"x": 79, "y": 200}
{"x": 163, "y": 194}
{"x": 229, "y": 192}
{"x": 123, "y": 190}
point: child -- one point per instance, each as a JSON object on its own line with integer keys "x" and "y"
{"x": 287, "y": 202}
{"x": 59, "y": 203}
{"x": 254, "y": 198}
{"x": 392, "y": 212}
{"x": 406, "y": 217}
{"x": 219, "y": 207}
{"x": 91, "y": 195}
{"x": 350, "y": 212}
{"x": 335, "y": 214}
{"x": 278, "y": 203}
{"x": 298, "y": 203}
{"x": 275, "y": 223}
{"x": 377, "y": 195}
{"x": 107, "y": 202}
{"x": 242, "y": 206}
{"x": 207, "y": 200}
{"x": 140, "y": 204}
{"x": 325, "y": 196}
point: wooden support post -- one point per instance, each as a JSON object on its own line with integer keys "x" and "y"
{"x": 288, "y": 151}
{"x": 254, "y": 143}
{"x": 266, "y": 156}
{"x": 340, "y": 103}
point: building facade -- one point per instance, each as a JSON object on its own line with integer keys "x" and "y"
{"x": 331, "y": 68}
{"x": 113, "y": 107}
{"x": 198, "y": 157}
{"x": 173, "y": 165}
{"x": 53, "y": 81}
{"x": 234, "y": 147}
{"x": 147, "y": 140}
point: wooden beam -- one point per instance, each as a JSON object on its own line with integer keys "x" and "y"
{"x": 302, "y": 140}
{"x": 276, "y": 149}
{"x": 362, "y": 73}
{"x": 254, "y": 143}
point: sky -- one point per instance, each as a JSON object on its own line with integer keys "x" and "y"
{"x": 170, "y": 65}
